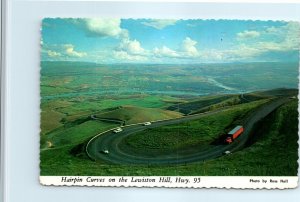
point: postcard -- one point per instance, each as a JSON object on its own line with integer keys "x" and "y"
{"x": 169, "y": 103}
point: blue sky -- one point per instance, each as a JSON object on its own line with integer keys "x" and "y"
{"x": 113, "y": 40}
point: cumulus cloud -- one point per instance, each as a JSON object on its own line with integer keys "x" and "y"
{"x": 165, "y": 52}
{"x": 247, "y": 35}
{"x": 130, "y": 50}
{"x": 131, "y": 46}
{"x": 159, "y": 23}
{"x": 101, "y": 27}
{"x": 271, "y": 30}
{"x": 288, "y": 38}
{"x": 273, "y": 40}
{"x": 241, "y": 52}
{"x": 61, "y": 52}
{"x": 53, "y": 54}
{"x": 123, "y": 55}
{"x": 69, "y": 50}
{"x": 189, "y": 47}
{"x": 187, "y": 50}
{"x": 207, "y": 55}
{"x": 248, "y": 45}
{"x": 291, "y": 36}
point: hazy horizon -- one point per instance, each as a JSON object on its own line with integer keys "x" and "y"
{"x": 174, "y": 79}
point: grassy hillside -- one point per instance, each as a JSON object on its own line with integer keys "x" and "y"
{"x": 50, "y": 115}
{"x": 207, "y": 103}
{"x": 276, "y": 92}
{"x": 187, "y": 136}
{"x": 197, "y": 104}
{"x": 273, "y": 151}
{"x": 74, "y": 135}
{"x": 133, "y": 114}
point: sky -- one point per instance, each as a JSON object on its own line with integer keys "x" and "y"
{"x": 168, "y": 41}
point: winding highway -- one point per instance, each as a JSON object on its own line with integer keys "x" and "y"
{"x": 110, "y": 141}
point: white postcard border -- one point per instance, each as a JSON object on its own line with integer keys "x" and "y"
{"x": 19, "y": 176}
{"x": 239, "y": 182}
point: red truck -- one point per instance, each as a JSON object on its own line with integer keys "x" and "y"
{"x": 234, "y": 133}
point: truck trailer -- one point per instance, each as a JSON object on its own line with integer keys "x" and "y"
{"x": 233, "y": 134}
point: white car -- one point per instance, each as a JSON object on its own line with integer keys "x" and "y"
{"x": 147, "y": 123}
{"x": 226, "y": 152}
{"x": 117, "y": 130}
{"x": 105, "y": 151}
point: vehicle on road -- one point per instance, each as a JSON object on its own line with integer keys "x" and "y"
{"x": 233, "y": 134}
{"x": 93, "y": 117}
{"x": 117, "y": 130}
{"x": 147, "y": 123}
{"x": 226, "y": 152}
{"x": 105, "y": 151}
